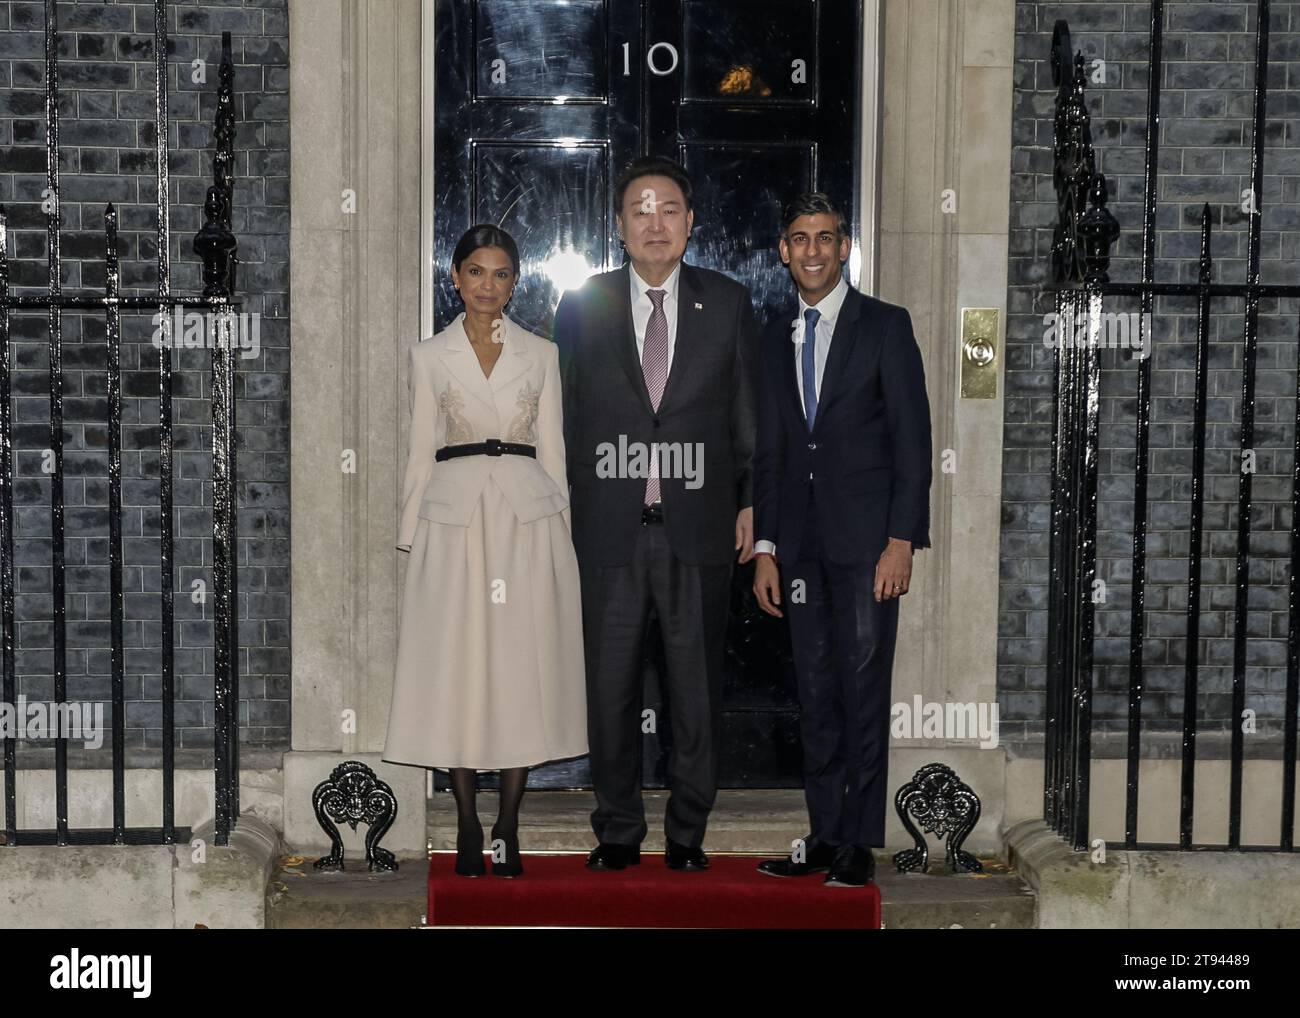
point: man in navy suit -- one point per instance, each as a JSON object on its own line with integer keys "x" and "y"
{"x": 841, "y": 500}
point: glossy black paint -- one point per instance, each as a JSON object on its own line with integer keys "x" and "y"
{"x": 948, "y": 808}
{"x": 217, "y": 245}
{"x": 539, "y": 106}
{"x": 1080, "y": 254}
{"x": 1137, "y": 615}
{"x": 354, "y": 794}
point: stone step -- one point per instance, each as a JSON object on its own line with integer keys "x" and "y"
{"x": 743, "y": 820}
{"x": 749, "y": 821}
{"x": 302, "y": 897}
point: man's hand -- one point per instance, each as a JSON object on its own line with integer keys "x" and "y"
{"x": 745, "y": 533}
{"x": 767, "y": 585}
{"x": 894, "y": 570}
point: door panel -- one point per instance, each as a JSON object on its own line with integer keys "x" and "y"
{"x": 542, "y": 195}
{"x": 539, "y": 49}
{"x": 529, "y": 127}
{"x": 540, "y": 104}
{"x": 740, "y": 54}
{"x": 765, "y": 107}
{"x": 740, "y": 188}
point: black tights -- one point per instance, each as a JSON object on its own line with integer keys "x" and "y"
{"x": 513, "y": 780}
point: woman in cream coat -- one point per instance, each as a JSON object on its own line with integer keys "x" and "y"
{"x": 490, "y": 661}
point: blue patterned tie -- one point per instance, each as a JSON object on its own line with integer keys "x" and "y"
{"x": 810, "y": 364}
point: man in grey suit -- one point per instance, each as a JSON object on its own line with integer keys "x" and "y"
{"x": 660, "y": 366}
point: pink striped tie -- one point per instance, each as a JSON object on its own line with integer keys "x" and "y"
{"x": 654, "y": 365}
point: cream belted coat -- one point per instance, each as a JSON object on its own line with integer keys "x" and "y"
{"x": 490, "y": 657}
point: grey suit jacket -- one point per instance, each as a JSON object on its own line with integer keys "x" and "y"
{"x": 708, "y": 403}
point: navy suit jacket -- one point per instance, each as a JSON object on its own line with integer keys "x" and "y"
{"x": 868, "y": 456}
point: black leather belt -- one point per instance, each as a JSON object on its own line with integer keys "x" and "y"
{"x": 492, "y": 447}
{"x": 652, "y": 513}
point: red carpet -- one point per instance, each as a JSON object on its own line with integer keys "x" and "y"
{"x": 558, "y": 890}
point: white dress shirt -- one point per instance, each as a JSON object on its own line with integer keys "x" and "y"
{"x": 642, "y": 306}
{"x": 829, "y": 307}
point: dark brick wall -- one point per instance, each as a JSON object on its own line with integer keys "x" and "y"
{"x": 107, "y": 137}
{"x": 1204, "y": 157}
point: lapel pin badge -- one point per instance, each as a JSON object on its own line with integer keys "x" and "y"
{"x": 699, "y": 306}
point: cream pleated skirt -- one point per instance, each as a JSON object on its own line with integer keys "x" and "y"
{"x": 489, "y": 653}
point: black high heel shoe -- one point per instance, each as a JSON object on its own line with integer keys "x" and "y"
{"x": 513, "y": 865}
{"x": 469, "y": 852}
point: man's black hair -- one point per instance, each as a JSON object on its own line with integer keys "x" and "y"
{"x": 811, "y": 203}
{"x": 652, "y": 166}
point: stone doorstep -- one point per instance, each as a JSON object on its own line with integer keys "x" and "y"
{"x": 301, "y": 897}
{"x": 753, "y": 822}
{"x": 764, "y": 822}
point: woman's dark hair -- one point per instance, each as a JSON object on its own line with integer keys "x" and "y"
{"x": 485, "y": 235}
{"x": 811, "y": 203}
{"x": 652, "y": 166}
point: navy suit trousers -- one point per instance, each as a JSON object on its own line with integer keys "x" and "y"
{"x": 843, "y": 641}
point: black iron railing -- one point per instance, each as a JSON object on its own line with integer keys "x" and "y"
{"x": 216, "y": 245}
{"x": 1080, "y": 257}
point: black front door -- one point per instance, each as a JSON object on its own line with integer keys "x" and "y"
{"x": 539, "y": 105}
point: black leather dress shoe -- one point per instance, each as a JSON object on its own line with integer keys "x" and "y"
{"x": 679, "y": 857}
{"x": 853, "y": 867}
{"x": 817, "y": 858}
{"x": 610, "y": 856}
